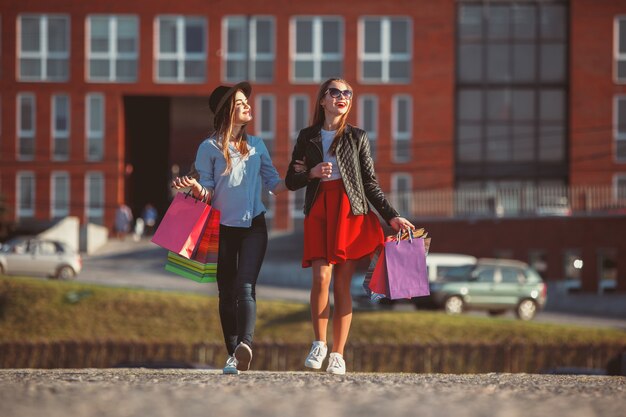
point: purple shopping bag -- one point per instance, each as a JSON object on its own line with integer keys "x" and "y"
{"x": 182, "y": 226}
{"x": 407, "y": 275}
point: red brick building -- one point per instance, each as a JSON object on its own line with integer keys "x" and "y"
{"x": 102, "y": 103}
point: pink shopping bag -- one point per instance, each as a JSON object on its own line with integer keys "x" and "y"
{"x": 407, "y": 275}
{"x": 182, "y": 226}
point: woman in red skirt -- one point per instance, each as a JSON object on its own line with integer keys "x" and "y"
{"x": 339, "y": 227}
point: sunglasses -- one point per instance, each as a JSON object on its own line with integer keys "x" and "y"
{"x": 336, "y": 93}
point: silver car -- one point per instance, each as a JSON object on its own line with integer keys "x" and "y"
{"x": 34, "y": 256}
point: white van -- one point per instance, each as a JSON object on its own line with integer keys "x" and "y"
{"x": 439, "y": 263}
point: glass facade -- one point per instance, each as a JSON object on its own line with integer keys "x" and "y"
{"x": 512, "y": 85}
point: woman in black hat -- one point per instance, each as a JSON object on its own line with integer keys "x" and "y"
{"x": 232, "y": 168}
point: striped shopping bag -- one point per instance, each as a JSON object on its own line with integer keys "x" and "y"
{"x": 188, "y": 268}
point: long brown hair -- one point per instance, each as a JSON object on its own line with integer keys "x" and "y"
{"x": 319, "y": 116}
{"x": 224, "y": 121}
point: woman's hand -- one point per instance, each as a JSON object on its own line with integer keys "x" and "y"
{"x": 321, "y": 170}
{"x": 299, "y": 166}
{"x": 400, "y": 223}
{"x": 188, "y": 182}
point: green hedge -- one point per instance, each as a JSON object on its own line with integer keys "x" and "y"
{"x": 39, "y": 310}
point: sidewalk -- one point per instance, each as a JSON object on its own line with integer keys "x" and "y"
{"x": 120, "y": 246}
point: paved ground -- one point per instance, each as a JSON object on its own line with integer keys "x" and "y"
{"x": 191, "y": 393}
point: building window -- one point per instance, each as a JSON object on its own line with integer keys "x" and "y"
{"x": 265, "y": 128}
{"x": 298, "y": 115}
{"x": 402, "y": 191}
{"x": 316, "y": 48}
{"x": 368, "y": 119}
{"x": 59, "y": 195}
{"x": 537, "y": 259}
{"x": 619, "y": 187}
{"x": 94, "y": 194}
{"x": 249, "y": 45}
{"x": 402, "y": 127}
{"x": 265, "y": 123}
{"x": 95, "y": 127}
{"x": 298, "y": 120}
{"x": 60, "y": 127}
{"x": 619, "y": 127}
{"x": 572, "y": 266}
{"x": 26, "y": 127}
{"x": 43, "y": 47}
{"x": 181, "y": 49}
{"x": 385, "y": 49}
{"x": 607, "y": 269}
{"x": 511, "y": 114}
{"x": 25, "y": 194}
{"x": 112, "y": 48}
{"x": 619, "y": 48}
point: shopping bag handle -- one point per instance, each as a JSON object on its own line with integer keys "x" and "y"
{"x": 399, "y": 236}
{"x": 203, "y": 195}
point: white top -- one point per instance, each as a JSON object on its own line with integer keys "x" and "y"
{"x": 327, "y": 139}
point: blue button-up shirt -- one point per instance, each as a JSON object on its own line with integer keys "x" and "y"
{"x": 237, "y": 195}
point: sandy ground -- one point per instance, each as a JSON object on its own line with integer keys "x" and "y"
{"x": 191, "y": 393}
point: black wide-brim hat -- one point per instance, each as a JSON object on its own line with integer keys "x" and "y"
{"x": 223, "y": 93}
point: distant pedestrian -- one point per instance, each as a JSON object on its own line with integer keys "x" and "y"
{"x": 149, "y": 215}
{"x": 140, "y": 227}
{"x": 123, "y": 220}
{"x": 339, "y": 227}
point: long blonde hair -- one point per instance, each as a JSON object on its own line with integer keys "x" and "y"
{"x": 224, "y": 121}
{"x": 319, "y": 115}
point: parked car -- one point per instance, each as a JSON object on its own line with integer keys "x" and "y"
{"x": 494, "y": 285}
{"x": 35, "y": 256}
{"x": 438, "y": 265}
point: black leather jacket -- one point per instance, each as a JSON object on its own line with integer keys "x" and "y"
{"x": 355, "y": 166}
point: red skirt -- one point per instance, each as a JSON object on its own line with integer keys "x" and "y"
{"x": 333, "y": 233}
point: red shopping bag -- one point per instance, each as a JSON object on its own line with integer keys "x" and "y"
{"x": 378, "y": 281}
{"x": 207, "y": 248}
{"x": 182, "y": 226}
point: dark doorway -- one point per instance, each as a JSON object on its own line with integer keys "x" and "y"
{"x": 147, "y": 122}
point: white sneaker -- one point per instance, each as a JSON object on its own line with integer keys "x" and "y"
{"x": 316, "y": 355}
{"x": 243, "y": 354}
{"x": 231, "y": 366}
{"x": 336, "y": 364}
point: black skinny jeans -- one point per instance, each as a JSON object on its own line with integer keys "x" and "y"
{"x": 241, "y": 253}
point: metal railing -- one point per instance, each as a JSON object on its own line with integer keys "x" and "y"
{"x": 512, "y": 202}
